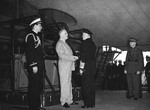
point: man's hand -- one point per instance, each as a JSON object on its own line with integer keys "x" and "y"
{"x": 138, "y": 72}
{"x": 35, "y": 69}
{"x": 81, "y": 71}
{"x": 125, "y": 71}
{"x": 82, "y": 64}
{"x": 75, "y": 58}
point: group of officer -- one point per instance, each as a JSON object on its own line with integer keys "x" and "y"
{"x": 36, "y": 67}
{"x": 115, "y": 79}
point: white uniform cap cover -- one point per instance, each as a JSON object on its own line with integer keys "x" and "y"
{"x": 35, "y": 21}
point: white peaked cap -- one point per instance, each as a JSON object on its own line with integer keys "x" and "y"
{"x": 35, "y": 21}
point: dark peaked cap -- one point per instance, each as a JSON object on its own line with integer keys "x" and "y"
{"x": 131, "y": 39}
{"x": 87, "y": 31}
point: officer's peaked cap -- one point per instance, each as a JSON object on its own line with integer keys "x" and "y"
{"x": 37, "y": 20}
{"x": 131, "y": 39}
{"x": 84, "y": 30}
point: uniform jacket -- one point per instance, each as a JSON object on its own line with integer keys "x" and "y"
{"x": 134, "y": 60}
{"x": 34, "y": 51}
{"x": 87, "y": 52}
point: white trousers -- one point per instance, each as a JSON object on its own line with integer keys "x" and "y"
{"x": 65, "y": 73}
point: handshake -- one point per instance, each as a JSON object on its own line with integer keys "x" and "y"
{"x": 75, "y": 58}
{"x": 76, "y": 55}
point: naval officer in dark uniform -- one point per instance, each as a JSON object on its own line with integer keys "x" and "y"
{"x": 133, "y": 67}
{"x": 88, "y": 69}
{"x": 35, "y": 64}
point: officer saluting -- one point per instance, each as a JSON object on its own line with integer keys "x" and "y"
{"x": 35, "y": 64}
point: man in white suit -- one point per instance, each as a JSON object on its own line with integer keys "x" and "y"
{"x": 65, "y": 66}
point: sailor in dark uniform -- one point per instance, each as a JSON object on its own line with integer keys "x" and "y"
{"x": 35, "y": 64}
{"x": 88, "y": 69}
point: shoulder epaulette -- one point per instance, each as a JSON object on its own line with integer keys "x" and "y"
{"x": 29, "y": 35}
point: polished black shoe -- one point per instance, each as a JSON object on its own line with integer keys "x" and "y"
{"x": 129, "y": 97}
{"x": 87, "y": 106}
{"x": 66, "y": 105}
{"x": 135, "y": 98}
{"x": 84, "y": 106}
{"x": 74, "y": 103}
{"x": 140, "y": 97}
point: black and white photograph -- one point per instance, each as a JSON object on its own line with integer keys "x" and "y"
{"x": 74, "y": 54}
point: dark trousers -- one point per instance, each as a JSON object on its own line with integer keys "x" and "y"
{"x": 133, "y": 81}
{"x": 148, "y": 83}
{"x": 35, "y": 89}
{"x": 88, "y": 87}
